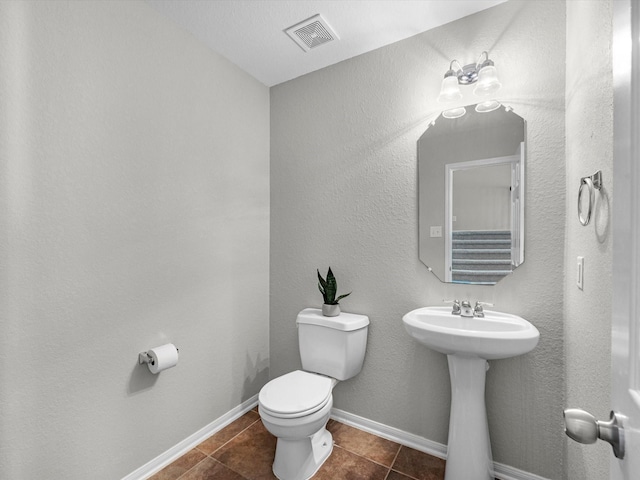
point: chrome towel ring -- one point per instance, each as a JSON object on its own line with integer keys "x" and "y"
{"x": 592, "y": 183}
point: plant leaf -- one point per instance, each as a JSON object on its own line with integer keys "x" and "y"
{"x": 331, "y": 288}
{"x": 330, "y": 275}
{"x": 321, "y": 280}
{"x": 342, "y": 296}
{"x": 324, "y": 295}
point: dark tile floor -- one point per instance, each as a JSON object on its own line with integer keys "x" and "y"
{"x": 244, "y": 450}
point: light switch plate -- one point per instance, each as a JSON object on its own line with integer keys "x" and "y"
{"x": 435, "y": 232}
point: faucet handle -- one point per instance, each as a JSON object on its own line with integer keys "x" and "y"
{"x": 484, "y": 304}
{"x": 478, "y": 311}
{"x": 456, "y": 306}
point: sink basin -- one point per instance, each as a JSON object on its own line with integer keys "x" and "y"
{"x": 497, "y": 335}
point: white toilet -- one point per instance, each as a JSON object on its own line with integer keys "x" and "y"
{"x": 296, "y": 407}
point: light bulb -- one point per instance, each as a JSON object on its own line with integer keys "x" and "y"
{"x": 450, "y": 90}
{"x": 488, "y": 82}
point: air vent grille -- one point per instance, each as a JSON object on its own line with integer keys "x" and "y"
{"x": 311, "y": 33}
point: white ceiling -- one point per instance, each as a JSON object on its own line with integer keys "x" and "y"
{"x": 250, "y": 33}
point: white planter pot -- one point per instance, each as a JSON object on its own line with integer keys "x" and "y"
{"x": 330, "y": 310}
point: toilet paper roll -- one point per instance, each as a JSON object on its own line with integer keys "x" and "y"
{"x": 163, "y": 357}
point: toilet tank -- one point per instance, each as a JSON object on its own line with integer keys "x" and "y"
{"x": 332, "y": 346}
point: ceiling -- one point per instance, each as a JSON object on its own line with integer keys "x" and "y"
{"x": 250, "y": 33}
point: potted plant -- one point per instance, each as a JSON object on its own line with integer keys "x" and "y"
{"x": 329, "y": 288}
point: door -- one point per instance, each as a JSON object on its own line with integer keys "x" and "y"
{"x": 625, "y": 333}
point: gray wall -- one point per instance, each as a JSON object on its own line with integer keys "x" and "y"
{"x": 344, "y": 194}
{"x": 135, "y": 211}
{"x": 589, "y": 123}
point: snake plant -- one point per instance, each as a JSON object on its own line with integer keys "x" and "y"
{"x": 329, "y": 288}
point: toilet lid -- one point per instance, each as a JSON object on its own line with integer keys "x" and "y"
{"x": 295, "y": 394}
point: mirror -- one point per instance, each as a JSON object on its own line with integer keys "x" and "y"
{"x": 471, "y": 196}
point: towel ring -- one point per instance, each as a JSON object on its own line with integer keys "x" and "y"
{"x": 594, "y": 182}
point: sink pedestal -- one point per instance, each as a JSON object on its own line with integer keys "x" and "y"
{"x": 469, "y": 450}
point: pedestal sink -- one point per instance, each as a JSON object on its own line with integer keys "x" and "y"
{"x": 468, "y": 343}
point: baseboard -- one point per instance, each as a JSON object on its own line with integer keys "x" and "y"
{"x": 502, "y": 472}
{"x": 191, "y": 441}
{"x": 390, "y": 433}
{"x": 505, "y": 472}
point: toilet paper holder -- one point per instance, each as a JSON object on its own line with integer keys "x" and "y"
{"x": 145, "y": 358}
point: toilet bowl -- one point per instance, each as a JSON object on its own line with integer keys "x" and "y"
{"x": 296, "y": 407}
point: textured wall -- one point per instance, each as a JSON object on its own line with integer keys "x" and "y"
{"x": 589, "y": 123}
{"x": 344, "y": 193}
{"x": 135, "y": 211}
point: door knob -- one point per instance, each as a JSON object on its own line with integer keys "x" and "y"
{"x": 583, "y": 427}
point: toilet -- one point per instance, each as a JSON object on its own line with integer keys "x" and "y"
{"x": 296, "y": 407}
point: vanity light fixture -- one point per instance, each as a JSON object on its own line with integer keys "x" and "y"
{"x": 450, "y": 91}
{"x": 488, "y": 82}
{"x": 482, "y": 73}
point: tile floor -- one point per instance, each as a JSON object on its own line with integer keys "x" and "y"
{"x": 244, "y": 450}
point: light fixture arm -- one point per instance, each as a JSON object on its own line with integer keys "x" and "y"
{"x": 486, "y": 62}
{"x": 451, "y": 72}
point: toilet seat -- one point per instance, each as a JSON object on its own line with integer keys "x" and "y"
{"x": 295, "y": 394}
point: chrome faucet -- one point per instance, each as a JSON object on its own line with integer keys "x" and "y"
{"x": 465, "y": 309}
{"x": 456, "y": 306}
{"x": 478, "y": 311}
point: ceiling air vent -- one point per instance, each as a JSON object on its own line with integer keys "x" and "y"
{"x": 311, "y": 33}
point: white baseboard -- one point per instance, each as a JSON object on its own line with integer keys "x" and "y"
{"x": 503, "y": 472}
{"x": 191, "y": 441}
{"x": 390, "y": 433}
